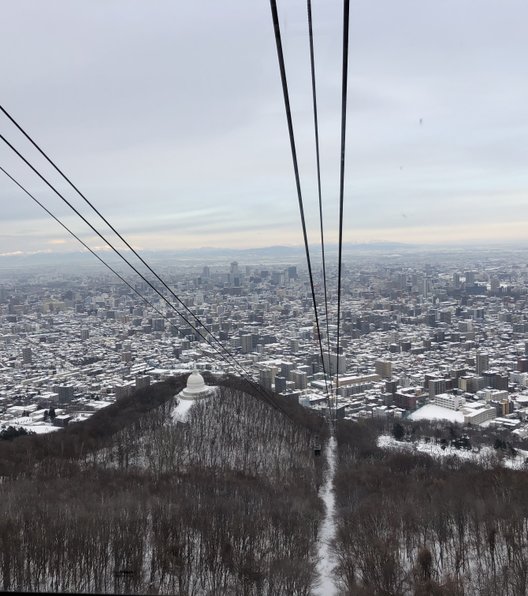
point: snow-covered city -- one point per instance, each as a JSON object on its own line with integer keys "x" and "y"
{"x": 421, "y": 340}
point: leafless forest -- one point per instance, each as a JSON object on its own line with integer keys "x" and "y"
{"x": 409, "y": 524}
{"x": 224, "y": 504}
{"x": 227, "y": 503}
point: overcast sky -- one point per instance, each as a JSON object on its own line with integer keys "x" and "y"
{"x": 169, "y": 116}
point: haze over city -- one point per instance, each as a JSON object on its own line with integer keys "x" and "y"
{"x": 170, "y": 118}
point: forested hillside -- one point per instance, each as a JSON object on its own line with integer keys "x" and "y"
{"x": 227, "y": 503}
{"x": 411, "y": 524}
{"x": 133, "y": 502}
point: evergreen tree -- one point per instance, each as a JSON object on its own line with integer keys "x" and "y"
{"x": 398, "y": 432}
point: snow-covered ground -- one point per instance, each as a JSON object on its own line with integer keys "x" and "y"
{"x": 326, "y": 562}
{"x": 39, "y": 429}
{"x": 181, "y": 411}
{"x": 27, "y": 423}
{"x": 433, "y": 412}
{"x": 435, "y": 450}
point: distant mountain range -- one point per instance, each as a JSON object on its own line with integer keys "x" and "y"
{"x": 211, "y": 253}
{"x": 296, "y": 250}
{"x": 278, "y": 254}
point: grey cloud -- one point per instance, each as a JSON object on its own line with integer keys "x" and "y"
{"x": 155, "y": 107}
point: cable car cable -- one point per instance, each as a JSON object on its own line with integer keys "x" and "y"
{"x": 318, "y": 162}
{"x": 127, "y": 244}
{"x": 346, "y": 12}
{"x": 319, "y": 192}
{"x": 282, "y": 68}
{"x": 73, "y": 208}
{"x": 72, "y": 233}
{"x": 57, "y": 219}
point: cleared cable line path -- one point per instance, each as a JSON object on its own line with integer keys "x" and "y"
{"x": 325, "y": 583}
{"x": 325, "y": 557}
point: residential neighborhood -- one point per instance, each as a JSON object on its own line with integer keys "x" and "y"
{"x": 419, "y": 340}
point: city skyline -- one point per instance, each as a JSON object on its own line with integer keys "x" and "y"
{"x": 171, "y": 121}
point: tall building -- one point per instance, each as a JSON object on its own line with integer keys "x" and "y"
{"x": 266, "y": 377}
{"x": 496, "y": 380}
{"x": 445, "y": 317}
{"x": 158, "y": 324}
{"x": 234, "y": 268}
{"x": 405, "y": 400}
{"x": 27, "y": 356}
{"x": 246, "y": 343}
{"x": 384, "y": 368}
{"x": 522, "y": 365}
{"x": 280, "y": 384}
{"x": 66, "y": 393}
{"x": 286, "y": 368}
{"x": 471, "y": 384}
{"x": 427, "y": 289}
{"x": 299, "y": 378}
{"x": 481, "y": 363}
{"x": 470, "y": 279}
{"x": 276, "y": 277}
{"x": 331, "y": 363}
{"x": 234, "y": 274}
{"x": 494, "y": 284}
{"x": 436, "y": 387}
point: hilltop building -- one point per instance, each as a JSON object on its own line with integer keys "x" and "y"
{"x": 196, "y": 388}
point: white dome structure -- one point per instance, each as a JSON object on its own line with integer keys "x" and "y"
{"x": 196, "y": 387}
